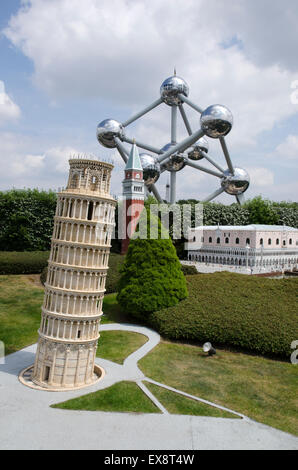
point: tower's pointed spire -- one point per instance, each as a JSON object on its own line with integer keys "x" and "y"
{"x": 134, "y": 162}
{"x": 175, "y": 71}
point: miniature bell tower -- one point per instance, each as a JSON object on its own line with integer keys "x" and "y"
{"x": 133, "y": 196}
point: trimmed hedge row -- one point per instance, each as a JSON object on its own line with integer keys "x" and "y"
{"x": 26, "y": 219}
{"x": 188, "y": 270}
{"x": 247, "y": 312}
{"x": 32, "y": 262}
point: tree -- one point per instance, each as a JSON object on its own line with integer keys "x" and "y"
{"x": 151, "y": 276}
{"x": 261, "y": 211}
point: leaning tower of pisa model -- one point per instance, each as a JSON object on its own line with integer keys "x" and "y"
{"x": 75, "y": 285}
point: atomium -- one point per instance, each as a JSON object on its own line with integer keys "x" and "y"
{"x": 107, "y": 130}
{"x": 176, "y": 161}
{"x": 195, "y": 151}
{"x": 216, "y": 121}
{"x": 237, "y": 183}
{"x": 151, "y": 168}
{"x": 171, "y": 88}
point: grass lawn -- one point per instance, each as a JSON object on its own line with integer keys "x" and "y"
{"x": 179, "y": 405}
{"x": 121, "y": 397}
{"x": 118, "y": 345}
{"x": 112, "y": 311}
{"x": 261, "y": 388}
{"x": 20, "y": 311}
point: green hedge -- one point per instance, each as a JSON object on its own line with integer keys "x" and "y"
{"x": 188, "y": 270}
{"x": 256, "y": 314}
{"x": 26, "y": 219}
{"x": 113, "y": 277}
{"x": 23, "y": 262}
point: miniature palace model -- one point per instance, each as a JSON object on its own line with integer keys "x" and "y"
{"x": 259, "y": 248}
{"x": 75, "y": 286}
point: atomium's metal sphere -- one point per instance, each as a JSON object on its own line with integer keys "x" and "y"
{"x": 151, "y": 168}
{"x": 235, "y": 184}
{"x": 176, "y": 162}
{"x": 107, "y": 130}
{"x": 216, "y": 121}
{"x": 170, "y": 89}
{"x": 194, "y": 152}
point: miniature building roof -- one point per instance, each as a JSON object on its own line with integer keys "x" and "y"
{"x": 134, "y": 162}
{"x": 255, "y": 227}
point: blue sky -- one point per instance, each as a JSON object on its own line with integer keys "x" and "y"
{"x": 66, "y": 65}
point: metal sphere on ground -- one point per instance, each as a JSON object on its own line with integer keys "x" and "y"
{"x": 170, "y": 89}
{"x": 235, "y": 184}
{"x": 176, "y": 161}
{"x": 151, "y": 168}
{"x": 216, "y": 121}
{"x": 194, "y": 152}
{"x": 107, "y": 130}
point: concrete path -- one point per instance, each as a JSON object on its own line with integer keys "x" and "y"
{"x": 28, "y": 422}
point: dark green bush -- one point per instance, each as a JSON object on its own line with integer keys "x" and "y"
{"x": 113, "y": 277}
{"x": 248, "y": 312}
{"x": 151, "y": 276}
{"x": 188, "y": 270}
{"x": 32, "y": 262}
{"x": 26, "y": 219}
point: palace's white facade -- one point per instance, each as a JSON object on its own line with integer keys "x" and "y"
{"x": 259, "y": 248}
{"x": 75, "y": 285}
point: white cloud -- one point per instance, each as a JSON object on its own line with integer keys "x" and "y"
{"x": 118, "y": 51}
{"x": 8, "y": 109}
{"x": 289, "y": 148}
{"x": 261, "y": 177}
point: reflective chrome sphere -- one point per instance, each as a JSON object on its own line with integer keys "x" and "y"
{"x": 107, "y": 130}
{"x": 176, "y": 162}
{"x": 151, "y": 168}
{"x": 216, "y": 121}
{"x": 194, "y": 152}
{"x": 171, "y": 87}
{"x": 235, "y": 184}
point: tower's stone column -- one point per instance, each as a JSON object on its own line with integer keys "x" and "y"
{"x": 75, "y": 285}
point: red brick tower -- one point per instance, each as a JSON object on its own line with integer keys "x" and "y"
{"x": 133, "y": 196}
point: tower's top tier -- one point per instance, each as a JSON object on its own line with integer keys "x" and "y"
{"x": 89, "y": 177}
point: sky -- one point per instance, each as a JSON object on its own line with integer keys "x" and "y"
{"x": 66, "y": 65}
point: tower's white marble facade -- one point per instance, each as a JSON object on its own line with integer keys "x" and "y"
{"x": 75, "y": 286}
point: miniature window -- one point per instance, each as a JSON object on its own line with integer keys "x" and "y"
{"x": 269, "y": 241}
{"x": 90, "y": 211}
{"x": 237, "y": 241}
{"x": 261, "y": 241}
{"x": 277, "y": 241}
{"x": 227, "y": 240}
{"x": 210, "y": 239}
{"x": 218, "y": 241}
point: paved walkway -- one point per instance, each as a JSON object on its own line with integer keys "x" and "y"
{"x": 28, "y": 422}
